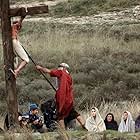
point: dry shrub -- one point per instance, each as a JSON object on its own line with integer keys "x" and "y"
{"x": 103, "y": 68}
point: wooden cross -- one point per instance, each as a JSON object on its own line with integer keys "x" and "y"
{"x": 6, "y": 13}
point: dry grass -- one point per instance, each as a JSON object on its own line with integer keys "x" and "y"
{"x": 117, "y": 108}
{"x": 2, "y": 122}
{"x": 61, "y": 45}
{"x": 103, "y": 68}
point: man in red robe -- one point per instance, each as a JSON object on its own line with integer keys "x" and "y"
{"x": 64, "y": 93}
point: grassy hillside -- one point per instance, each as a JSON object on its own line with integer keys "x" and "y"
{"x": 90, "y": 7}
{"x": 103, "y": 68}
{"x": 83, "y": 7}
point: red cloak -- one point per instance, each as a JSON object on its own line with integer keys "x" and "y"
{"x": 64, "y": 93}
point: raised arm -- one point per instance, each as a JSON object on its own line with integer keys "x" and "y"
{"x": 23, "y": 13}
{"x": 21, "y": 19}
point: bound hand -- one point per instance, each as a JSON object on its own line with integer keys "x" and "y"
{"x": 23, "y": 12}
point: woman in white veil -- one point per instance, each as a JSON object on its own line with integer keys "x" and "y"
{"x": 95, "y": 123}
{"x": 127, "y": 124}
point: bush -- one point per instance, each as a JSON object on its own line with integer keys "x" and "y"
{"x": 103, "y": 68}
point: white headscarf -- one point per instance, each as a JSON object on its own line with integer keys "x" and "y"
{"x": 95, "y": 124}
{"x": 64, "y": 65}
{"x": 128, "y": 126}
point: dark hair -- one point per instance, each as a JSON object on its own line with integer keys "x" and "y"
{"x": 18, "y": 24}
{"x": 93, "y": 108}
{"x": 111, "y": 115}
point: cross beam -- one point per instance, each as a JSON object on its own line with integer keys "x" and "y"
{"x": 30, "y": 10}
{"x": 6, "y": 13}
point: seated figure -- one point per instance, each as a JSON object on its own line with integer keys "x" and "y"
{"x": 137, "y": 124}
{"x": 127, "y": 124}
{"x": 35, "y": 120}
{"x": 110, "y": 123}
{"x": 95, "y": 123}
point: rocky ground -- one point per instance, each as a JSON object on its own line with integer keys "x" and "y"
{"x": 127, "y": 15}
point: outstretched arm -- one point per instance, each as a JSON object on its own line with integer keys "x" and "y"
{"x": 46, "y": 70}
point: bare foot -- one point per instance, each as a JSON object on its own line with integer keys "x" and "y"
{"x": 15, "y": 72}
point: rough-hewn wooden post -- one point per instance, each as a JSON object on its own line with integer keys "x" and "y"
{"x": 5, "y": 14}
{"x": 9, "y": 62}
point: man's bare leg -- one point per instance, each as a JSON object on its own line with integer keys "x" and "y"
{"x": 19, "y": 68}
{"x": 62, "y": 124}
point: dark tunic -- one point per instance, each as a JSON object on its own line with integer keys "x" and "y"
{"x": 111, "y": 125}
{"x": 137, "y": 124}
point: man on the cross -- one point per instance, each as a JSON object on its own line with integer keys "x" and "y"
{"x": 18, "y": 49}
{"x": 64, "y": 94}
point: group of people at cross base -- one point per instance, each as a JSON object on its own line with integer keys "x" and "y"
{"x": 94, "y": 123}
{"x": 64, "y": 99}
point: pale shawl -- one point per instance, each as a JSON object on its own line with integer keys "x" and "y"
{"x": 95, "y": 124}
{"x": 129, "y": 126}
